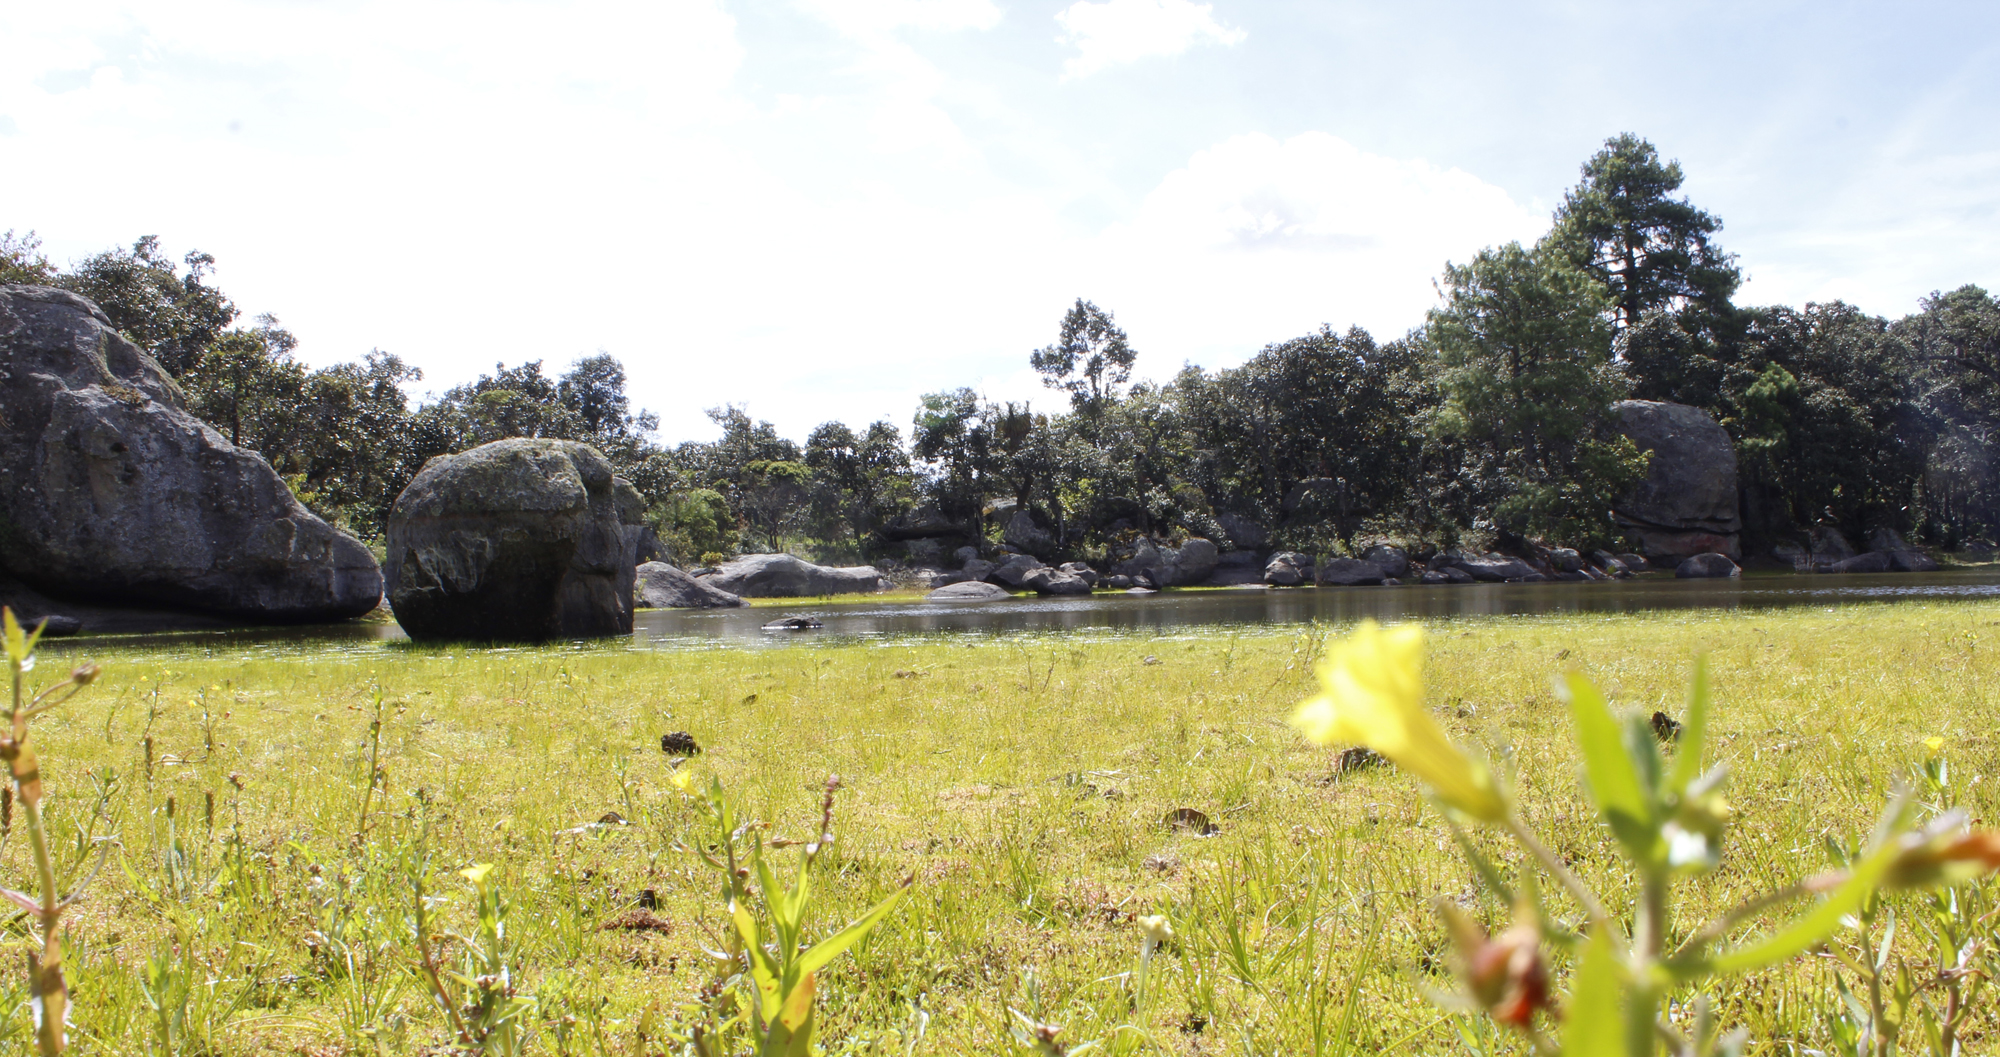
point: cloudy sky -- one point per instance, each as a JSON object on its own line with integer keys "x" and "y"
{"x": 823, "y": 208}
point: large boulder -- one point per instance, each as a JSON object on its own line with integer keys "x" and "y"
{"x": 1393, "y": 560}
{"x": 1013, "y": 573}
{"x": 1288, "y": 569}
{"x": 1022, "y": 533}
{"x": 520, "y": 540}
{"x": 1047, "y": 581}
{"x": 661, "y": 586}
{"x": 1242, "y": 533}
{"x": 1351, "y": 572}
{"x": 1686, "y": 504}
{"x": 1485, "y": 568}
{"x": 1871, "y": 562}
{"x": 784, "y": 576}
{"x": 1193, "y": 562}
{"x": 111, "y": 493}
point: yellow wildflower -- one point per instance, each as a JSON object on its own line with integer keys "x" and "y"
{"x": 1935, "y": 744}
{"x": 1374, "y": 696}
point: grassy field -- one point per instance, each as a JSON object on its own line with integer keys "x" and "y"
{"x": 260, "y": 898}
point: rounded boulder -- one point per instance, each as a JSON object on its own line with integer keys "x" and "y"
{"x": 517, "y": 540}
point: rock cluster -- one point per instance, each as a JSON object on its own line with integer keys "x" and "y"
{"x": 113, "y": 495}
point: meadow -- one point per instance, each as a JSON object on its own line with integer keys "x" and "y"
{"x": 275, "y": 807}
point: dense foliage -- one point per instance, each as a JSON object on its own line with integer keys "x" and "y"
{"x": 1489, "y": 420}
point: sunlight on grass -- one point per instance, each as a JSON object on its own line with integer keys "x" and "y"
{"x": 1025, "y": 781}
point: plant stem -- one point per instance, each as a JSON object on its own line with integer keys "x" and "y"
{"x": 1570, "y": 882}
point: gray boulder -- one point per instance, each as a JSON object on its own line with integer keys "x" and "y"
{"x": 965, "y": 556}
{"x": 785, "y": 576}
{"x": 1830, "y": 546}
{"x": 1081, "y": 571}
{"x": 1047, "y": 581}
{"x": 1912, "y": 561}
{"x": 1242, "y": 533}
{"x": 1871, "y": 562}
{"x": 979, "y": 569}
{"x": 112, "y": 493}
{"x": 515, "y": 540}
{"x": 1686, "y": 504}
{"x": 969, "y": 591}
{"x": 1022, "y": 533}
{"x": 1350, "y": 572}
{"x": 1192, "y": 562}
{"x": 1393, "y": 561}
{"x": 661, "y": 586}
{"x": 1706, "y": 566}
{"x": 1013, "y": 573}
{"x": 1565, "y": 560}
{"x": 1486, "y": 568}
{"x": 1288, "y": 569}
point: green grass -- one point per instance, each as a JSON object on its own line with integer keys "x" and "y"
{"x": 1022, "y": 780}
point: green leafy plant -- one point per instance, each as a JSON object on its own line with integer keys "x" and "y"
{"x": 1667, "y": 818}
{"x": 767, "y": 974}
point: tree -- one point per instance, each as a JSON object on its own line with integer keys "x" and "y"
{"x": 1090, "y": 358}
{"x": 1528, "y": 381}
{"x": 21, "y": 260}
{"x": 174, "y": 316}
{"x": 1650, "y": 251}
{"x": 858, "y": 480}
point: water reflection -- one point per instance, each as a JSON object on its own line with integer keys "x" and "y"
{"x": 1168, "y": 612}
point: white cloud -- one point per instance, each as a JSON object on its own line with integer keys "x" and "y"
{"x": 1114, "y": 32}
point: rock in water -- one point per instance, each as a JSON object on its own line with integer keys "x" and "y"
{"x": 1686, "y": 504}
{"x": 661, "y": 586}
{"x": 969, "y": 591}
{"x": 783, "y": 576}
{"x": 1707, "y": 566}
{"x": 518, "y": 540}
{"x": 111, "y": 492}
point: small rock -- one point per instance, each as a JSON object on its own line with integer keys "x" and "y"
{"x": 1358, "y": 759}
{"x": 794, "y": 624}
{"x": 1707, "y": 566}
{"x": 1149, "y": 659}
{"x": 1666, "y": 727}
{"x": 1189, "y": 820}
{"x": 679, "y": 743}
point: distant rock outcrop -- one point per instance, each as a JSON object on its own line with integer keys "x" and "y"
{"x": 514, "y": 540}
{"x": 112, "y": 494}
{"x": 661, "y": 586}
{"x": 1686, "y": 504}
{"x": 784, "y": 576}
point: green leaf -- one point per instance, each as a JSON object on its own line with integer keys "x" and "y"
{"x": 762, "y": 969}
{"x": 1694, "y": 730}
{"x": 829, "y": 948}
{"x": 1819, "y": 922}
{"x": 1614, "y": 780}
{"x": 1595, "y": 1022}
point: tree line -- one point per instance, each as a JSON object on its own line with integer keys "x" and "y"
{"x": 1491, "y": 418}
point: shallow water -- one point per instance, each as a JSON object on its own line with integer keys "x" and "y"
{"x": 1170, "y": 612}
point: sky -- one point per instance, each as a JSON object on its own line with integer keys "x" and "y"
{"x": 821, "y": 209}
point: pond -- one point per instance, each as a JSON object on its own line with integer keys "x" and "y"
{"x": 1182, "y": 611}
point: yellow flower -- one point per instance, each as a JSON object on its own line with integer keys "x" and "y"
{"x": 682, "y": 780}
{"x": 1155, "y": 928}
{"x": 1374, "y": 696}
{"x": 1936, "y": 745}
